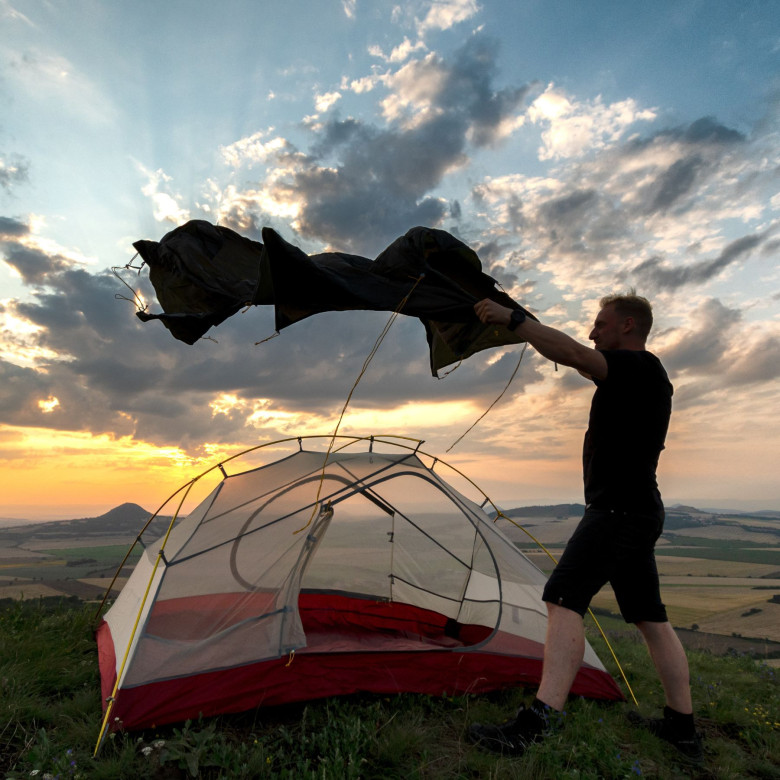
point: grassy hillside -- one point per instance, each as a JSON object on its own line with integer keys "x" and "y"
{"x": 50, "y": 715}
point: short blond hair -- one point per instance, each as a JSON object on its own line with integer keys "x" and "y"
{"x": 632, "y": 305}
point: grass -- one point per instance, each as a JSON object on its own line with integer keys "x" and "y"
{"x": 50, "y": 715}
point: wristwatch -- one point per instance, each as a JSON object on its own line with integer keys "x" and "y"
{"x": 517, "y": 317}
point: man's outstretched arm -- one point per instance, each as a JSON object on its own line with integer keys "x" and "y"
{"x": 552, "y": 344}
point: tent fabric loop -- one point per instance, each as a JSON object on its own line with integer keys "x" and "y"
{"x": 136, "y": 300}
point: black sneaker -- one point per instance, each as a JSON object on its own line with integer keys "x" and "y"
{"x": 689, "y": 747}
{"x": 510, "y": 738}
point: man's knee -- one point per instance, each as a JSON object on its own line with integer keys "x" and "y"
{"x": 561, "y": 613}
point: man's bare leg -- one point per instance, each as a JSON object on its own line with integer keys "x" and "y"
{"x": 671, "y": 663}
{"x": 564, "y": 649}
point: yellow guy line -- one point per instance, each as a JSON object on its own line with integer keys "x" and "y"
{"x": 590, "y": 612}
{"x": 485, "y": 413}
{"x": 363, "y": 370}
{"x": 120, "y": 672}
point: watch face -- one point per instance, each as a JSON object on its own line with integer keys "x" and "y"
{"x": 515, "y": 318}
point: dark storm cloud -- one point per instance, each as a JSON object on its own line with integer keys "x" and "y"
{"x": 757, "y": 364}
{"x": 719, "y": 352}
{"x": 32, "y": 264}
{"x": 20, "y": 389}
{"x": 558, "y": 211}
{"x": 115, "y": 375}
{"x": 12, "y": 228}
{"x": 654, "y": 271}
{"x": 468, "y": 90}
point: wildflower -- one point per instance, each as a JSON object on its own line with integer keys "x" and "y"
{"x": 146, "y": 750}
{"x": 34, "y": 772}
{"x": 158, "y": 743}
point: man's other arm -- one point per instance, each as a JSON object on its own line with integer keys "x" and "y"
{"x": 552, "y": 344}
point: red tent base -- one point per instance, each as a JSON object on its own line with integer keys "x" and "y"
{"x": 354, "y": 645}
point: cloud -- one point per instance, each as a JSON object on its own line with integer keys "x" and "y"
{"x": 253, "y": 149}
{"x": 27, "y": 255}
{"x": 700, "y": 348}
{"x": 349, "y": 7}
{"x": 399, "y": 53}
{"x": 13, "y": 170}
{"x": 166, "y": 206}
{"x": 648, "y": 210}
{"x": 110, "y": 374}
{"x": 33, "y": 264}
{"x": 461, "y": 87}
{"x": 326, "y": 101}
{"x": 361, "y": 184}
{"x": 718, "y": 352}
{"x": 443, "y": 14}
{"x": 12, "y": 228}
{"x": 661, "y": 276}
{"x": 575, "y": 128}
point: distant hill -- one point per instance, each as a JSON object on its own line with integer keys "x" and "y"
{"x": 124, "y": 520}
{"x": 124, "y": 513}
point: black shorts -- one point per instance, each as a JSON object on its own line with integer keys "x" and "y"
{"x": 615, "y": 547}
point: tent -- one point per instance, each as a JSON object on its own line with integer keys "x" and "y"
{"x": 203, "y": 273}
{"x": 325, "y": 573}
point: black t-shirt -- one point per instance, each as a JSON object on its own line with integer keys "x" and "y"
{"x": 629, "y": 417}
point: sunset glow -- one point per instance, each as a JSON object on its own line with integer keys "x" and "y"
{"x": 575, "y": 158}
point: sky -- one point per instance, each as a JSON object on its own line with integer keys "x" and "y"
{"x": 581, "y": 148}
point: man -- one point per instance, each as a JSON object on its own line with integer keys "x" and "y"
{"x": 623, "y": 518}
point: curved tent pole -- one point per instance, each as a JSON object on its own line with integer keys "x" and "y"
{"x": 383, "y": 438}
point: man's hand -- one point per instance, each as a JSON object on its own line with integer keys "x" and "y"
{"x": 489, "y": 311}
{"x": 553, "y": 344}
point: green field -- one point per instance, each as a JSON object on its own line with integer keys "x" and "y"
{"x": 725, "y": 552}
{"x": 105, "y": 554}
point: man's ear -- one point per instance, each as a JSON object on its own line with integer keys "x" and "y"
{"x": 628, "y": 325}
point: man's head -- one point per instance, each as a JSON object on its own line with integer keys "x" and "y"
{"x": 624, "y": 322}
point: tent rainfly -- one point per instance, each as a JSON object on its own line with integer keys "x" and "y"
{"x": 319, "y": 575}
